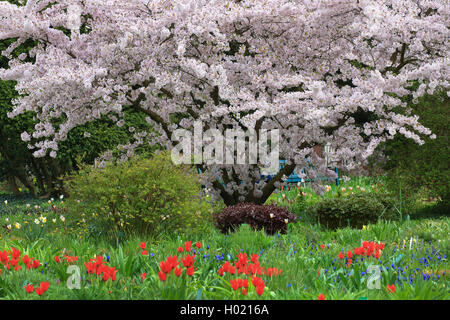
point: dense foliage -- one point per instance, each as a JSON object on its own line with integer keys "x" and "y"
{"x": 422, "y": 171}
{"x": 141, "y": 196}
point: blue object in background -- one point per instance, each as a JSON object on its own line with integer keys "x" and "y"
{"x": 294, "y": 178}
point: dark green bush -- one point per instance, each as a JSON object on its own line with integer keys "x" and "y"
{"x": 355, "y": 210}
{"x": 140, "y": 196}
{"x": 417, "y": 172}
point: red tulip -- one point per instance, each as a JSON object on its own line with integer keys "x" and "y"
{"x": 254, "y": 258}
{"x": 188, "y": 261}
{"x": 260, "y": 290}
{"x": 162, "y": 276}
{"x": 391, "y": 288}
{"x": 35, "y": 264}
{"x": 177, "y": 271}
{"x": 190, "y": 271}
{"x": 29, "y": 288}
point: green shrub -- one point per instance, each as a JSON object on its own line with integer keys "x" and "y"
{"x": 147, "y": 196}
{"x": 355, "y": 210}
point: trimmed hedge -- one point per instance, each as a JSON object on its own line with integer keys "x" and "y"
{"x": 270, "y": 217}
{"x": 355, "y": 210}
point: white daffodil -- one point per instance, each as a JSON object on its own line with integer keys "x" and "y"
{"x": 28, "y": 205}
{"x": 61, "y": 197}
{"x": 62, "y": 218}
{"x": 17, "y": 225}
{"x": 7, "y": 219}
{"x": 286, "y": 221}
{"x": 271, "y": 216}
{"x": 6, "y": 202}
{"x": 44, "y": 219}
{"x": 54, "y": 220}
{"x": 8, "y": 226}
{"x": 36, "y": 221}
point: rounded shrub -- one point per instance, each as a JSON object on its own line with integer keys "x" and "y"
{"x": 140, "y": 196}
{"x": 354, "y": 210}
{"x": 270, "y": 217}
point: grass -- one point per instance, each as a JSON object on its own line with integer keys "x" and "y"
{"x": 414, "y": 259}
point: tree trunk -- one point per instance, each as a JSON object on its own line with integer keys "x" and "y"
{"x": 13, "y": 185}
{"x": 23, "y": 178}
{"x": 38, "y": 175}
{"x": 231, "y": 200}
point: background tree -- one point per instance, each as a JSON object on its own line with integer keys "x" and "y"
{"x": 418, "y": 171}
{"x": 43, "y": 175}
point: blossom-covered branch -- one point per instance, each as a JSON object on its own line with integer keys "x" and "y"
{"x": 303, "y": 67}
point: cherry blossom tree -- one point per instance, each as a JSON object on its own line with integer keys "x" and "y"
{"x": 320, "y": 71}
